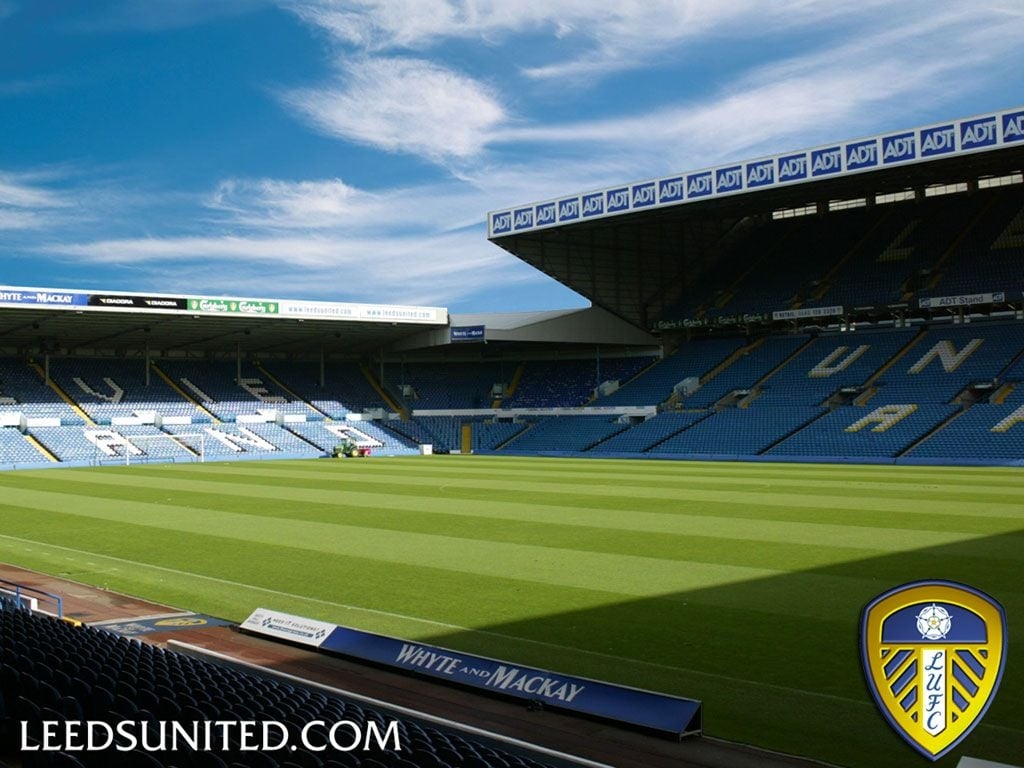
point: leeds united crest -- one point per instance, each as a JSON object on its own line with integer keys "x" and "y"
{"x": 933, "y": 655}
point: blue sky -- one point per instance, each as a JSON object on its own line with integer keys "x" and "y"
{"x": 349, "y": 151}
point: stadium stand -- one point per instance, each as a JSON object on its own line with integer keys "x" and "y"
{"x": 743, "y": 373}
{"x": 106, "y": 389}
{"x": 655, "y": 385}
{"x": 569, "y": 383}
{"x": 982, "y": 432}
{"x": 828, "y": 365}
{"x": 565, "y": 433}
{"x": 346, "y": 388}
{"x": 649, "y": 434}
{"x": 988, "y": 257}
{"x": 15, "y": 449}
{"x": 491, "y": 435}
{"x": 52, "y": 670}
{"x": 853, "y": 431}
{"x": 218, "y": 387}
{"x": 440, "y": 386}
{"x": 739, "y": 431}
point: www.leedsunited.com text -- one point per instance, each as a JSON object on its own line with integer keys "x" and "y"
{"x": 207, "y": 736}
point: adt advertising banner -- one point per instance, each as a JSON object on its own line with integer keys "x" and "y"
{"x": 662, "y": 712}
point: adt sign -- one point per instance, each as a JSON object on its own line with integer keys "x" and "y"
{"x": 826, "y": 161}
{"x": 729, "y": 179}
{"x": 698, "y": 184}
{"x": 569, "y": 209}
{"x": 670, "y": 190}
{"x": 793, "y": 167}
{"x": 546, "y": 213}
{"x": 898, "y": 148}
{"x": 593, "y": 204}
{"x": 938, "y": 141}
{"x": 861, "y": 154}
{"x": 1013, "y": 127}
{"x": 523, "y": 219}
{"x": 643, "y": 195}
{"x": 618, "y": 199}
{"x": 980, "y": 133}
{"x": 760, "y": 174}
{"x": 501, "y": 223}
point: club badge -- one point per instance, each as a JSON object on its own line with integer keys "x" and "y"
{"x": 933, "y": 655}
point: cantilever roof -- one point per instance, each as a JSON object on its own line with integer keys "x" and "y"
{"x": 636, "y": 248}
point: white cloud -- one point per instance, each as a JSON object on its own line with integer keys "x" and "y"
{"x": 402, "y": 105}
{"x": 867, "y": 82}
{"x": 436, "y": 269}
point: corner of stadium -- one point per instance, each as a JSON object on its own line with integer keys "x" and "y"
{"x": 820, "y": 354}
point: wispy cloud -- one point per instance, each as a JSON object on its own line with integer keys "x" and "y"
{"x": 406, "y": 105}
{"x": 25, "y": 204}
{"x": 326, "y": 266}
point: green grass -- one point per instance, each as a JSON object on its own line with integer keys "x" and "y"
{"x": 739, "y": 584}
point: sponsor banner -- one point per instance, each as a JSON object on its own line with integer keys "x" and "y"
{"x": 699, "y": 184}
{"x": 707, "y": 322}
{"x": 568, "y": 209}
{"x": 861, "y": 155}
{"x": 42, "y": 297}
{"x": 899, "y": 148}
{"x": 826, "y": 162}
{"x": 671, "y": 190}
{"x": 760, "y": 174}
{"x": 954, "y": 137}
{"x": 617, "y": 200}
{"x": 658, "y": 711}
{"x": 325, "y": 310}
{"x": 501, "y": 223}
{"x": 1013, "y": 127}
{"x": 962, "y": 301}
{"x": 467, "y": 333}
{"x": 940, "y": 140}
{"x": 546, "y": 213}
{"x": 593, "y": 204}
{"x": 164, "y": 624}
{"x": 232, "y": 306}
{"x": 793, "y": 167}
{"x": 121, "y": 301}
{"x": 522, "y": 218}
{"x": 797, "y": 314}
{"x": 729, "y": 179}
{"x": 979, "y": 134}
{"x": 285, "y": 626}
{"x": 643, "y": 195}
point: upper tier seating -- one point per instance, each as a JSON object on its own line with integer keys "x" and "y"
{"x": 655, "y": 384}
{"x": 569, "y": 383}
{"x": 446, "y": 386}
{"x": 745, "y": 372}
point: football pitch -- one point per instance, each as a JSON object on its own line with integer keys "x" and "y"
{"x": 739, "y": 584}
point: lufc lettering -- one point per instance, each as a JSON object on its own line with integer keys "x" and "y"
{"x": 503, "y": 678}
